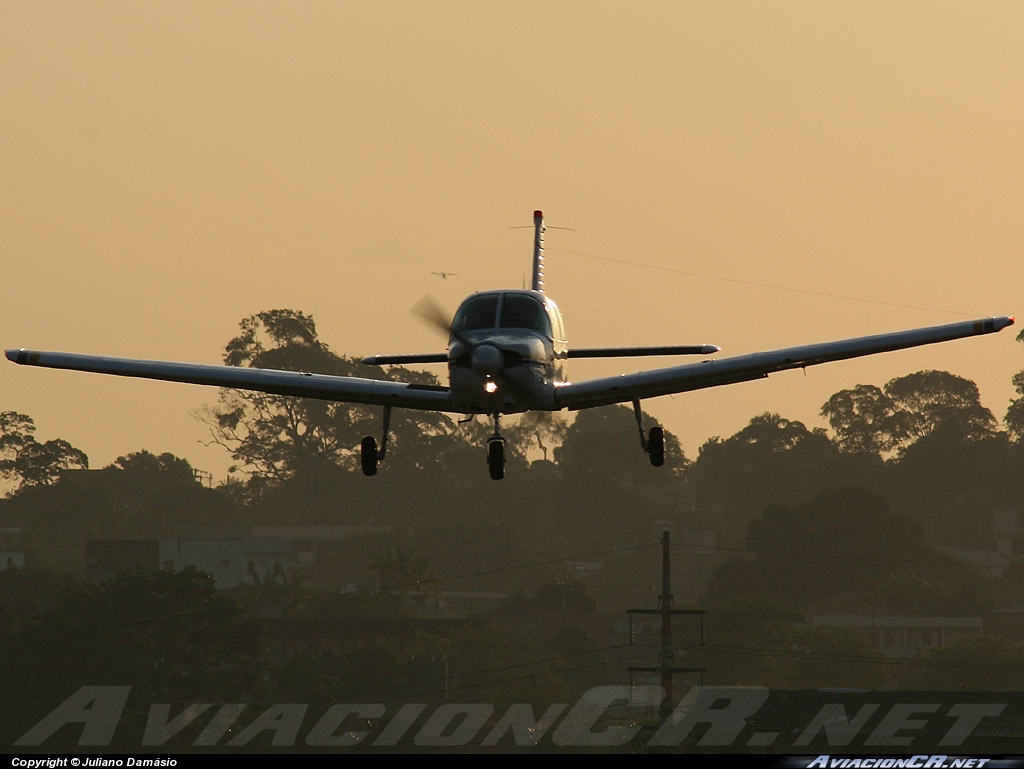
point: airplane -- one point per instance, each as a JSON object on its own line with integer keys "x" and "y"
{"x": 444, "y": 275}
{"x": 507, "y": 354}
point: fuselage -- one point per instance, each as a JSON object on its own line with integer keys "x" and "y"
{"x": 507, "y": 352}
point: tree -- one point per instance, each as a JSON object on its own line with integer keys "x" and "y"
{"x": 836, "y": 656}
{"x": 928, "y": 400}
{"x": 495, "y": 665}
{"x": 772, "y": 460}
{"x": 543, "y": 430}
{"x": 564, "y": 595}
{"x": 57, "y": 521}
{"x": 275, "y": 593}
{"x": 985, "y": 663}
{"x": 28, "y": 462}
{"x": 948, "y": 482}
{"x": 402, "y": 571}
{"x": 273, "y": 436}
{"x": 480, "y": 556}
{"x": 843, "y": 541}
{"x": 167, "y": 634}
{"x": 861, "y": 420}
{"x": 276, "y": 438}
{"x": 154, "y": 496}
{"x": 607, "y": 489}
{"x": 603, "y": 442}
{"x": 891, "y": 419}
{"x": 165, "y": 464}
{"x": 746, "y": 640}
{"x": 1015, "y": 413}
{"x": 25, "y": 594}
{"x": 946, "y": 589}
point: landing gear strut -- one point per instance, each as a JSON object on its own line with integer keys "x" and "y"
{"x": 654, "y": 445}
{"x": 496, "y": 452}
{"x": 369, "y": 454}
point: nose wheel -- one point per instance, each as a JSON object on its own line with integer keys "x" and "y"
{"x": 496, "y": 453}
{"x": 496, "y": 458}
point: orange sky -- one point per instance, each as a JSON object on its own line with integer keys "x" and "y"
{"x": 169, "y": 168}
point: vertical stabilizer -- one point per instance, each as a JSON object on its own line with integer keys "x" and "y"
{"x": 538, "y": 251}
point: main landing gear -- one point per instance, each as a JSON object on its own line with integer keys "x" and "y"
{"x": 369, "y": 454}
{"x": 653, "y": 444}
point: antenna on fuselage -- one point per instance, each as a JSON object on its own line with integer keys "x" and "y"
{"x": 538, "y": 251}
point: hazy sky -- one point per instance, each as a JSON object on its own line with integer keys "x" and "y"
{"x": 731, "y": 171}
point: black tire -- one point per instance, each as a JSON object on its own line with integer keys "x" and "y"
{"x": 368, "y": 455}
{"x": 656, "y": 446}
{"x": 496, "y": 459}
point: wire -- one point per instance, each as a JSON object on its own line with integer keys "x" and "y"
{"x": 773, "y": 286}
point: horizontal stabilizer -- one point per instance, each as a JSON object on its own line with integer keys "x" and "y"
{"x": 401, "y": 360}
{"x": 629, "y": 352}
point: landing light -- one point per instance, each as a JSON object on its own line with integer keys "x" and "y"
{"x": 490, "y": 386}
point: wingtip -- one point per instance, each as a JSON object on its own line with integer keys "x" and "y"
{"x": 14, "y": 355}
{"x": 1003, "y": 321}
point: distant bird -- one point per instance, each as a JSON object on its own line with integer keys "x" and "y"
{"x": 444, "y": 275}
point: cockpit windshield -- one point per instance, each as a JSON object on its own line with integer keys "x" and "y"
{"x": 516, "y": 311}
{"x": 477, "y": 312}
{"x": 524, "y": 311}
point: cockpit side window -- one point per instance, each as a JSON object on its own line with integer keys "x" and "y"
{"x": 477, "y": 312}
{"x": 523, "y": 311}
{"x": 556, "y": 321}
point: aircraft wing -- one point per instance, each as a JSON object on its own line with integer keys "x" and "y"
{"x": 711, "y": 373}
{"x": 300, "y": 384}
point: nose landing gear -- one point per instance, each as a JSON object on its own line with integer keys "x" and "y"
{"x": 496, "y": 452}
{"x": 496, "y": 457}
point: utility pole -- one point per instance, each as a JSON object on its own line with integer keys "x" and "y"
{"x": 666, "y": 655}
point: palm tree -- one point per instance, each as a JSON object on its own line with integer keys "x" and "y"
{"x": 399, "y": 571}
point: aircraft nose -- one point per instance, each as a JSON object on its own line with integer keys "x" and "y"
{"x": 487, "y": 360}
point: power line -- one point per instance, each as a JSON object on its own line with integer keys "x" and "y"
{"x": 951, "y": 563}
{"x": 755, "y": 284}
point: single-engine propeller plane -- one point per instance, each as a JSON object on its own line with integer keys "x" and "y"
{"x": 507, "y": 354}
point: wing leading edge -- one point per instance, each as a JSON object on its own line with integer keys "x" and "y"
{"x": 300, "y": 384}
{"x": 742, "y": 368}
{"x": 595, "y": 392}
